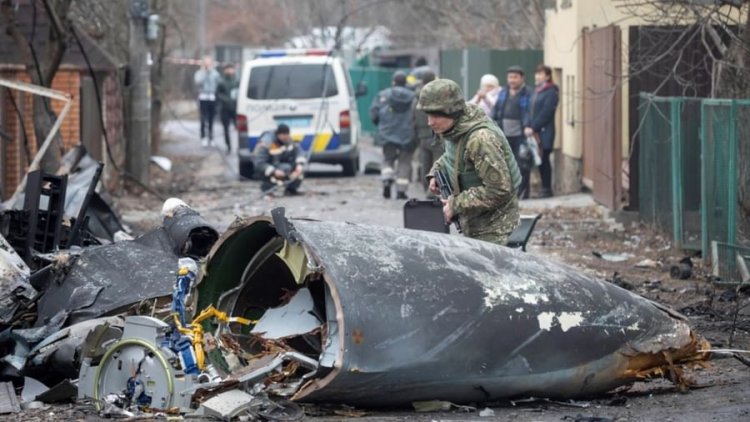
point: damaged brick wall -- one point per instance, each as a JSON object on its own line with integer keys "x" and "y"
{"x": 66, "y": 80}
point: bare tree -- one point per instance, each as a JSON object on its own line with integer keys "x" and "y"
{"x": 478, "y": 23}
{"x": 723, "y": 29}
{"x": 41, "y": 66}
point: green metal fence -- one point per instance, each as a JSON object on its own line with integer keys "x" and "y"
{"x": 669, "y": 163}
{"x": 466, "y": 66}
{"x": 688, "y": 175}
{"x": 722, "y": 122}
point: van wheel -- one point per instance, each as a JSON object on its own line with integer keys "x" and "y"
{"x": 351, "y": 167}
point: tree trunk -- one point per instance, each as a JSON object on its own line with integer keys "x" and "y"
{"x": 42, "y": 67}
{"x": 734, "y": 82}
{"x": 157, "y": 78}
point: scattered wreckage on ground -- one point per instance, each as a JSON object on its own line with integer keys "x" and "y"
{"x": 279, "y": 311}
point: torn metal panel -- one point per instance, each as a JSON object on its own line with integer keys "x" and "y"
{"x": 62, "y": 392}
{"x": 15, "y": 287}
{"x": 8, "y": 400}
{"x": 109, "y": 278}
{"x": 31, "y": 389}
{"x": 59, "y": 355}
{"x": 410, "y": 316}
{"x": 294, "y": 318}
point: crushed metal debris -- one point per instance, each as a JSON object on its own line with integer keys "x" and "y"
{"x": 278, "y": 311}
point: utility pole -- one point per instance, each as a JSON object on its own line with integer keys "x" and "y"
{"x": 139, "y": 145}
{"x": 202, "y": 27}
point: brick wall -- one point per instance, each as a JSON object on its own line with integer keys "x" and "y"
{"x": 16, "y": 159}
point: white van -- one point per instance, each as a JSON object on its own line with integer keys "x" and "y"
{"x": 309, "y": 90}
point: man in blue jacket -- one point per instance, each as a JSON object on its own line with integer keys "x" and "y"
{"x": 541, "y": 122}
{"x": 511, "y": 113}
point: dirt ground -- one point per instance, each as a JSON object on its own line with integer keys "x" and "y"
{"x": 572, "y": 230}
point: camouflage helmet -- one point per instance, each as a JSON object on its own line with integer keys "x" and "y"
{"x": 441, "y": 96}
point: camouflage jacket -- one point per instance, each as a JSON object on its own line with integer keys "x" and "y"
{"x": 490, "y": 209}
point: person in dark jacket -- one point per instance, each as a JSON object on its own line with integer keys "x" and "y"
{"x": 541, "y": 122}
{"x": 281, "y": 162}
{"x": 391, "y": 112}
{"x": 510, "y": 113}
{"x": 226, "y": 95}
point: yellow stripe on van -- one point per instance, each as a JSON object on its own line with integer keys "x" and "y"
{"x": 297, "y": 137}
{"x": 321, "y": 142}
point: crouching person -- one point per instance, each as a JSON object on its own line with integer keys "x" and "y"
{"x": 281, "y": 163}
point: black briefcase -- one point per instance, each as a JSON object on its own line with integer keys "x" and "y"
{"x": 425, "y": 215}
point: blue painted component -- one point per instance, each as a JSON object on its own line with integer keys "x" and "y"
{"x": 180, "y": 293}
{"x": 272, "y": 53}
{"x": 187, "y": 355}
{"x": 136, "y": 391}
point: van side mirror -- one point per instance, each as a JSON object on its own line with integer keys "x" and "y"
{"x": 361, "y": 90}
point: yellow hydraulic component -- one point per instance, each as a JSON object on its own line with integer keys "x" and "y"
{"x": 195, "y": 329}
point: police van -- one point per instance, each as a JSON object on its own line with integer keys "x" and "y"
{"x": 311, "y": 92}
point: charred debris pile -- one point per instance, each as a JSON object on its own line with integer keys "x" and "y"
{"x": 276, "y": 311}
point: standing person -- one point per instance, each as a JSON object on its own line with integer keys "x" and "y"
{"x": 541, "y": 123}
{"x": 430, "y": 146}
{"x": 486, "y": 96}
{"x": 281, "y": 162}
{"x": 510, "y": 113}
{"x": 391, "y": 112}
{"x": 478, "y": 162}
{"x": 226, "y": 94}
{"x": 206, "y": 81}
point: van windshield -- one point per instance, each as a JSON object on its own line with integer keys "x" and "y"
{"x": 292, "y": 81}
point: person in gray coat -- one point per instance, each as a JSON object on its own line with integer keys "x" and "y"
{"x": 391, "y": 112}
{"x": 206, "y": 81}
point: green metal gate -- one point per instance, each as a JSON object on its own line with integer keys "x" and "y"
{"x": 722, "y": 122}
{"x": 688, "y": 176}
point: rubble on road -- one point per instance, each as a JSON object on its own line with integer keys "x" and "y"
{"x": 289, "y": 310}
{"x": 69, "y": 272}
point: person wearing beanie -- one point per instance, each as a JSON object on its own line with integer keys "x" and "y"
{"x": 391, "y": 112}
{"x": 280, "y": 162}
{"x": 486, "y": 96}
{"x": 478, "y": 163}
{"x": 511, "y": 112}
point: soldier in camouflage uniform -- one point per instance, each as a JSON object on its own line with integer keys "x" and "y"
{"x": 478, "y": 162}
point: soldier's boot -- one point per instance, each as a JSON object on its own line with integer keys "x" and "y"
{"x": 401, "y": 186}
{"x": 387, "y": 184}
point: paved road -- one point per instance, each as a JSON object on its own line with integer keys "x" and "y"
{"x": 207, "y": 179}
